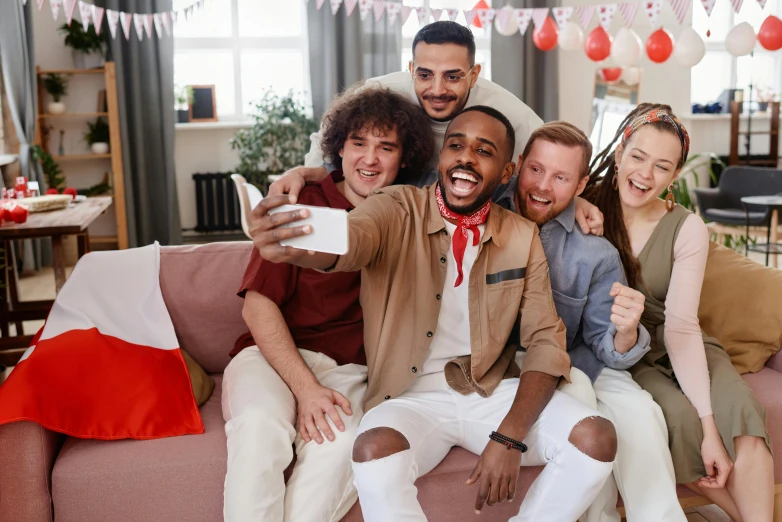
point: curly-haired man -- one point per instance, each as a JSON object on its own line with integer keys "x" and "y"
{"x": 298, "y": 377}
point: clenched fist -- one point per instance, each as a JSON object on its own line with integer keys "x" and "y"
{"x": 626, "y": 314}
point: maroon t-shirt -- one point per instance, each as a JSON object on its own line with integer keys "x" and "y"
{"x": 322, "y": 311}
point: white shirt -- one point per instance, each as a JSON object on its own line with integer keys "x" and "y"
{"x": 485, "y": 92}
{"x": 452, "y": 336}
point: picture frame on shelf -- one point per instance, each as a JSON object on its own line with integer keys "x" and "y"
{"x": 203, "y": 107}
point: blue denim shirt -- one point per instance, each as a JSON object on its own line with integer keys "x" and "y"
{"x": 582, "y": 269}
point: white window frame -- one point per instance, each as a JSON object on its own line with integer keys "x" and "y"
{"x": 236, "y": 44}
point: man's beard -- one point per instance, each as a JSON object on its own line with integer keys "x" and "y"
{"x": 482, "y": 198}
{"x": 447, "y": 117}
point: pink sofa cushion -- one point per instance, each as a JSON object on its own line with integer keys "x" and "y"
{"x": 178, "y": 478}
{"x": 199, "y": 285}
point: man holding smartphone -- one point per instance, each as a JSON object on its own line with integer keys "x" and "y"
{"x": 445, "y": 274}
{"x": 298, "y": 377}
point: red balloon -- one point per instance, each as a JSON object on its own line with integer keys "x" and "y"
{"x": 770, "y": 33}
{"x": 597, "y": 45}
{"x": 611, "y": 74}
{"x": 659, "y": 46}
{"x": 545, "y": 36}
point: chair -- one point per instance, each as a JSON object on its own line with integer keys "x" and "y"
{"x": 249, "y": 197}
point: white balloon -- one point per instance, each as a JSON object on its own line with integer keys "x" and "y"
{"x": 511, "y": 26}
{"x": 689, "y": 49}
{"x": 740, "y": 40}
{"x": 626, "y": 50}
{"x": 631, "y": 75}
{"x": 571, "y": 37}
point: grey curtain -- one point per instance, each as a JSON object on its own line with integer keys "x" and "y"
{"x": 525, "y": 70}
{"x": 145, "y": 88}
{"x": 344, "y": 49}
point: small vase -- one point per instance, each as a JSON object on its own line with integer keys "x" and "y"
{"x": 183, "y": 116}
{"x": 100, "y": 148}
{"x": 762, "y": 106}
{"x": 56, "y": 108}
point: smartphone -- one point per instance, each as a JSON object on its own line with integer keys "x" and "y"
{"x": 329, "y": 229}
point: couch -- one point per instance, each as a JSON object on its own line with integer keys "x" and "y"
{"x": 46, "y": 476}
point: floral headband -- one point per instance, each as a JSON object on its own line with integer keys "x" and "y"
{"x": 664, "y": 116}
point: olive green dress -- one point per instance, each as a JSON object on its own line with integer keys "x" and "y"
{"x": 736, "y": 410}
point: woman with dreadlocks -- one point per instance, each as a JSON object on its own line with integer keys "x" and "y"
{"x": 716, "y": 427}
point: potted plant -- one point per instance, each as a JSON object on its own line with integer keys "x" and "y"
{"x": 183, "y": 98}
{"x": 51, "y": 170}
{"x": 278, "y": 139}
{"x": 97, "y": 136}
{"x": 87, "y": 46}
{"x": 57, "y": 87}
{"x": 765, "y": 96}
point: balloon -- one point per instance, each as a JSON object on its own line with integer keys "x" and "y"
{"x": 610, "y": 74}
{"x": 740, "y": 41}
{"x": 659, "y": 46}
{"x": 690, "y": 49}
{"x": 545, "y": 36}
{"x": 626, "y": 49}
{"x": 598, "y": 44}
{"x": 770, "y": 34}
{"x": 631, "y": 76}
{"x": 571, "y": 38}
{"x": 511, "y": 25}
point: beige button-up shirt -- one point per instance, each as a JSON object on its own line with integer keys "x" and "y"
{"x": 399, "y": 241}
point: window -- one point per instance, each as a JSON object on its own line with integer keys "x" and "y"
{"x": 243, "y": 47}
{"x": 719, "y": 70}
{"x": 482, "y": 36}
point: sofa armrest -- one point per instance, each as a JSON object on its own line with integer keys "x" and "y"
{"x": 707, "y": 198}
{"x": 27, "y": 454}
{"x": 775, "y": 362}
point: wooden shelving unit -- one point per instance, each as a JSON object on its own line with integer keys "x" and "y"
{"x": 773, "y": 133}
{"x": 115, "y": 155}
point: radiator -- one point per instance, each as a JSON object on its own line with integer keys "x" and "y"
{"x": 217, "y": 204}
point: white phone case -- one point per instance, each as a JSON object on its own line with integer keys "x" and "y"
{"x": 329, "y": 229}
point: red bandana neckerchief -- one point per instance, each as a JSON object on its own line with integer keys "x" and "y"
{"x": 465, "y": 223}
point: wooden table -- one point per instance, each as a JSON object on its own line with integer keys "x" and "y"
{"x": 73, "y": 220}
{"x": 772, "y": 246}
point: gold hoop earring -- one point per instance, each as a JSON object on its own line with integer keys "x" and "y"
{"x": 670, "y": 200}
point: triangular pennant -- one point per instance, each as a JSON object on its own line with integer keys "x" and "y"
{"x": 97, "y": 18}
{"x": 147, "y": 18}
{"x": 523, "y": 17}
{"x": 628, "y": 11}
{"x": 406, "y": 13}
{"x": 364, "y": 7}
{"x": 380, "y": 7}
{"x": 584, "y": 14}
{"x": 708, "y": 6}
{"x": 503, "y": 16}
{"x": 423, "y": 19}
{"x": 319, "y": 4}
{"x": 85, "y": 11}
{"x": 40, "y": 4}
{"x": 174, "y": 17}
{"x": 469, "y": 16}
{"x": 393, "y": 9}
{"x": 335, "y": 6}
{"x": 652, "y": 8}
{"x": 55, "y": 5}
{"x": 437, "y": 14}
{"x": 680, "y": 8}
{"x": 762, "y": 4}
{"x": 138, "y": 23}
{"x": 112, "y": 18}
{"x": 737, "y": 5}
{"x": 350, "y": 5}
{"x": 165, "y": 18}
{"x": 562, "y": 15}
{"x": 70, "y": 7}
{"x": 126, "y": 19}
{"x": 539, "y": 16}
{"x": 452, "y": 14}
{"x": 605, "y": 14}
{"x": 486, "y": 16}
{"x": 157, "y": 18}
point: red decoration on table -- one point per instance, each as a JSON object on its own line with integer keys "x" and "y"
{"x": 52, "y": 191}
{"x": 18, "y": 213}
{"x": 659, "y": 46}
{"x": 71, "y": 192}
{"x": 545, "y": 36}
{"x": 770, "y": 33}
{"x": 597, "y": 45}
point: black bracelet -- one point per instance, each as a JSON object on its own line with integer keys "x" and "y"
{"x": 508, "y": 442}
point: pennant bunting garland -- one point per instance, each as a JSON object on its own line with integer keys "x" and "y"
{"x": 112, "y": 18}
{"x": 157, "y": 18}
{"x": 523, "y": 17}
{"x": 405, "y": 14}
{"x": 422, "y": 18}
{"x": 126, "y": 19}
{"x": 317, "y": 5}
{"x": 737, "y": 5}
{"x": 85, "y": 10}
{"x": 350, "y": 5}
{"x": 584, "y": 14}
{"x": 539, "y": 16}
{"x": 393, "y": 9}
{"x": 628, "y": 11}
{"x": 503, "y": 16}
{"x": 166, "y": 19}
{"x": 40, "y": 4}
{"x": 453, "y": 13}
{"x": 436, "y": 14}
{"x": 147, "y": 18}
{"x": 335, "y": 6}
{"x": 762, "y": 4}
{"x": 708, "y": 6}
{"x": 469, "y": 16}
{"x": 174, "y": 17}
{"x": 680, "y": 8}
{"x": 486, "y": 17}
{"x": 138, "y": 23}
{"x": 652, "y": 8}
{"x": 97, "y": 18}
{"x": 364, "y": 7}
{"x": 380, "y": 7}
{"x": 70, "y": 7}
{"x": 606, "y": 14}
{"x": 562, "y": 15}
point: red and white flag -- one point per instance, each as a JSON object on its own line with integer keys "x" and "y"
{"x": 486, "y": 16}
{"x": 628, "y": 11}
{"x": 112, "y": 19}
{"x": 503, "y": 16}
{"x": 539, "y": 16}
{"x": 166, "y": 19}
{"x": 364, "y": 7}
{"x": 708, "y": 6}
{"x": 405, "y": 14}
{"x": 138, "y": 23}
{"x": 380, "y": 7}
{"x": 107, "y": 363}
{"x": 524, "y": 17}
{"x": 605, "y": 14}
{"x": 393, "y": 9}
{"x": 174, "y": 17}
{"x": 147, "y": 24}
{"x": 55, "y": 5}
{"x": 737, "y": 5}
{"x": 97, "y": 18}
{"x": 680, "y": 8}
{"x": 40, "y": 4}
{"x": 85, "y": 11}
{"x": 335, "y": 6}
{"x": 70, "y": 7}
{"x": 562, "y": 15}
{"x": 126, "y": 19}
{"x": 452, "y": 13}
{"x": 762, "y": 4}
{"x": 157, "y": 18}
{"x": 350, "y": 5}
{"x": 469, "y": 16}
{"x": 584, "y": 14}
{"x": 652, "y": 8}
{"x": 423, "y": 18}
{"x": 437, "y": 14}
{"x": 319, "y": 4}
